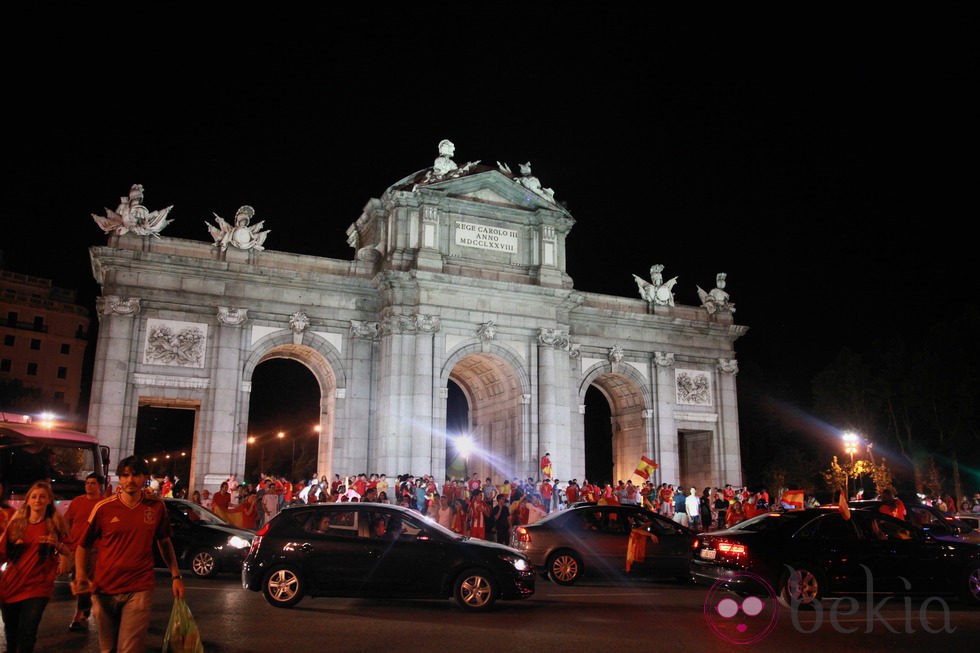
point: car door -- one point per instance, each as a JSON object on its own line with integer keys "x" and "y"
{"x": 903, "y": 558}
{"x": 671, "y": 555}
{"x": 404, "y": 557}
{"x": 607, "y": 537}
{"x": 329, "y": 555}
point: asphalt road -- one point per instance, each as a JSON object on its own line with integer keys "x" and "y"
{"x": 590, "y": 616}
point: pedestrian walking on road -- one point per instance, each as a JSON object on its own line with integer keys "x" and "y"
{"x": 124, "y": 528}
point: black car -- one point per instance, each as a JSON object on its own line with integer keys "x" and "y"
{"x": 379, "y": 550}
{"x": 203, "y": 542}
{"x": 589, "y": 538}
{"x": 806, "y": 555}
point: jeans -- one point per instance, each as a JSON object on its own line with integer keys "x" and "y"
{"x": 20, "y": 622}
{"x": 123, "y": 620}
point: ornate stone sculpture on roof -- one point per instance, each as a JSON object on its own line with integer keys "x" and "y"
{"x": 530, "y": 182}
{"x": 717, "y": 299}
{"x": 656, "y": 291}
{"x": 240, "y": 235}
{"x": 132, "y": 216}
{"x": 444, "y": 167}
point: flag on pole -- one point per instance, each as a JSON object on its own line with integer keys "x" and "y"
{"x": 645, "y": 467}
{"x": 845, "y": 510}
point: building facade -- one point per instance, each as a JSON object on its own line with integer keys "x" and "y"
{"x": 44, "y": 335}
{"x": 458, "y": 275}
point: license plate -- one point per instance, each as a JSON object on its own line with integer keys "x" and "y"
{"x": 708, "y": 554}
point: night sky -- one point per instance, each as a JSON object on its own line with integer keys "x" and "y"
{"x": 825, "y": 166}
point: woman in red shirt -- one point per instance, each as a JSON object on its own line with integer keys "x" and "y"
{"x": 30, "y": 547}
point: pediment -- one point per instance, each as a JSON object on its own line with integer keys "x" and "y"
{"x": 496, "y": 188}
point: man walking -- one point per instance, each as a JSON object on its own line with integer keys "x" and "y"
{"x": 77, "y": 519}
{"x": 124, "y": 528}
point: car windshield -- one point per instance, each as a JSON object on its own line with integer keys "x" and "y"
{"x": 198, "y": 514}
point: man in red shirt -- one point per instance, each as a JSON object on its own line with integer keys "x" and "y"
{"x": 125, "y": 527}
{"x": 76, "y": 518}
{"x": 545, "y": 492}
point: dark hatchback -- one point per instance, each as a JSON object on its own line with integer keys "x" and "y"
{"x": 806, "y": 555}
{"x": 379, "y": 550}
{"x": 589, "y": 539}
{"x": 204, "y": 543}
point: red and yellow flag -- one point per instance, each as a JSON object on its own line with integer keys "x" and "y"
{"x": 792, "y": 498}
{"x": 645, "y": 467}
{"x": 845, "y": 509}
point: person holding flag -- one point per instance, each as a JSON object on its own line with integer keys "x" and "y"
{"x": 546, "y": 465}
{"x": 645, "y": 468}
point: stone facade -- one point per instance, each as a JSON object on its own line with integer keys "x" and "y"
{"x": 458, "y": 276}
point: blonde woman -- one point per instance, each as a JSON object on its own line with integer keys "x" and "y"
{"x": 35, "y": 539}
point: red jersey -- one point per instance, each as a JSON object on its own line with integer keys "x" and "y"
{"x": 77, "y": 517}
{"x": 546, "y": 491}
{"x": 30, "y": 577}
{"x": 126, "y": 537}
{"x": 571, "y": 493}
{"x": 221, "y": 500}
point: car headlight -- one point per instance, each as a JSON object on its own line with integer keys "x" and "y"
{"x": 236, "y": 542}
{"x": 519, "y": 563}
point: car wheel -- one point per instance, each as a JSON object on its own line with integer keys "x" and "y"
{"x": 282, "y": 587}
{"x": 971, "y": 588}
{"x": 475, "y": 590}
{"x": 203, "y": 564}
{"x": 564, "y": 567}
{"x": 801, "y": 587}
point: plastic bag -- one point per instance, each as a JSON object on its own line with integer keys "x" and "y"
{"x": 182, "y": 635}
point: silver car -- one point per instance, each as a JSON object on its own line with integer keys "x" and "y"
{"x": 593, "y": 539}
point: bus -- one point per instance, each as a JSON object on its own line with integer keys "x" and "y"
{"x": 32, "y": 450}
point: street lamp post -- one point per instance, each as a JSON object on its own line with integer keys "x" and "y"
{"x": 850, "y": 448}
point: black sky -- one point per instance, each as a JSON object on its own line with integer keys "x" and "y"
{"x": 825, "y": 164}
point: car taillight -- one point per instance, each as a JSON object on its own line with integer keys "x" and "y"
{"x": 521, "y": 535}
{"x": 732, "y": 548}
{"x": 258, "y": 538}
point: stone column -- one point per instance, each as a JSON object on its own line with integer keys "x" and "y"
{"x": 554, "y": 419}
{"x": 726, "y": 444}
{"x": 219, "y": 445}
{"x": 115, "y": 357}
{"x": 666, "y": 427}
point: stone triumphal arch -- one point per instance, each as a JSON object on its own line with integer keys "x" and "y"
{"x": 458, "y": 276}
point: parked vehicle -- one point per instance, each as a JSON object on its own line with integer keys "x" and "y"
{"x": 589, "y": 538}
{"x": 204, "y": 543}
{"x": 806, "y": 555}
{"x": 379, "y": 550}
{"x": 930, "y": 519}
{"x": 34, "y": 450}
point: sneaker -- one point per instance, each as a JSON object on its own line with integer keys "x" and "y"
{"x": 78, "y": 626}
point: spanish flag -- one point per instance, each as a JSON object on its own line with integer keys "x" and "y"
{"x": 845, "y": 509}
{"x": 792, "y": 498}
{"x": 645, "y": 468}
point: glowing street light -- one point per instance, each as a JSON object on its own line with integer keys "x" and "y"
{"x": 850, "y": 448}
